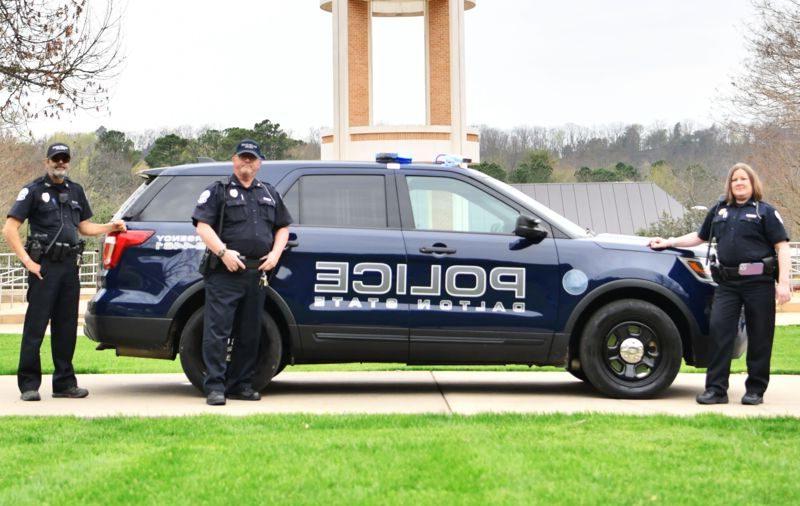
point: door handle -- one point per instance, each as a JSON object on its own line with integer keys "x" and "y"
{"x": 291, "y": 244}
{"x": 437, "y": 250}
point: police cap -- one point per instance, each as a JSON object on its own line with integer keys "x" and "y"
{"x": 249, "y": 146}
{"x": 57, "y": 149}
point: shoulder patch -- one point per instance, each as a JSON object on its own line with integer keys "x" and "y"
{"x": 204, "y": 197}
{"x": 778, "y": 215}
{"x": 22, "y": 194}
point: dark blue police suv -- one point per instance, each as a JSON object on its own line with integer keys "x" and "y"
{"x": 421, "y": 264}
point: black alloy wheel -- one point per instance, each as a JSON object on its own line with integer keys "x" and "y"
{"x": 630, "y": 349}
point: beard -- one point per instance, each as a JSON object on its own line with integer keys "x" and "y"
{"x": 59, "y": 173}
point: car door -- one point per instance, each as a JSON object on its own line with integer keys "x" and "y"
{"x": 476, "y": 293}
{"x": 340, "y": 276}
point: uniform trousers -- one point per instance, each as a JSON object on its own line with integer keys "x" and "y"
{"x": 758, "y": 297}
{"x": 234, "y": 305}
{"x": 52, "y": 299}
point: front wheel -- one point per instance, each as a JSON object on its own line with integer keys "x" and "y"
{"x": 270, "y": 351}
{"x": 630, "y": 349}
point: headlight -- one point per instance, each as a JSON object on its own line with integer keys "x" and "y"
{"x": 698, "y": 268}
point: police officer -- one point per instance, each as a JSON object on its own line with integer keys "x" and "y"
{"x": 254, "y": 232}
{"x": 753, "y": 251}
{"x": 57, "y": 210}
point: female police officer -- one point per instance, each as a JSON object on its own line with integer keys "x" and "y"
{"x": 750, "y": 235}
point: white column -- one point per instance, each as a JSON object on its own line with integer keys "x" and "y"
{"x": 371, "y": 53}
{"x": 425, "y": 20}
{"x": 458, "y": 101}
{"x": 341, "y": 114}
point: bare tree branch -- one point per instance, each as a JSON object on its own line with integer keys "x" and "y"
{"x": 53, "y": 60}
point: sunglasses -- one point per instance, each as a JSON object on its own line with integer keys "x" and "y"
{"x": 60, "y": 159}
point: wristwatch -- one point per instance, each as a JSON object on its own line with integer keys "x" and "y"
{"x": 221, "y": 252}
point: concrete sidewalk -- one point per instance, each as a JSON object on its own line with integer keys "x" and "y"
{"x": 447, "y": 392}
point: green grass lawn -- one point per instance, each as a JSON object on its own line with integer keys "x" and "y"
{"x": 785, "y": 360}
{"x": 486, "y": 459}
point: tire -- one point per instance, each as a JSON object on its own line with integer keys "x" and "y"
{"x": 191, "y": 351}
{"x": 630, "y": 349}
{"x": 578, "y": 373}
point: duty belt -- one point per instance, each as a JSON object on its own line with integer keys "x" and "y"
{"x": 61, "y": 251}
{"x": 729, "y": 273}
{"x": 251, "y": 263}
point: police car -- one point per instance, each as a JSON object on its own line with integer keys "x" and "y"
{"x": 412, "y": 263}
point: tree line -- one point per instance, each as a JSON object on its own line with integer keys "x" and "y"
{"x": 688, "y": 164}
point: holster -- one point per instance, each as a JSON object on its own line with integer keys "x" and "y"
{"x": 771, "y": 266}
{"x": 208, "y": 263}
{"x": 34, "y": 246}
{"x": 716, "y": 269}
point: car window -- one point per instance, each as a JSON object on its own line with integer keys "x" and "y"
{"x": 443, "y": 203}
{"x": 177, "y": 200}
{"x": 354, "y": 201}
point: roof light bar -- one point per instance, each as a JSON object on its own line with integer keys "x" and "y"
{"x": 452, "y": 160}
{"x": 392, "y": 158}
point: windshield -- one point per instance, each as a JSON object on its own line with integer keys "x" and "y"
{"x": 565, "y": 225}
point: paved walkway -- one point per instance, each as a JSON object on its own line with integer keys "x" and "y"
{"x": 447, "y": 392}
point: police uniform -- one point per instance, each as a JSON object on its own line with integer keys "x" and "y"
{"x": 745, "y": 234}
{"x": 53, "y": 212}
{"x": 234, "y": 300}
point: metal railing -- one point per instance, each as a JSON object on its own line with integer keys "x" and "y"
{"x": 14, "y": 277}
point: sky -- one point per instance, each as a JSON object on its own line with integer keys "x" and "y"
{"x": 205, "y": 63}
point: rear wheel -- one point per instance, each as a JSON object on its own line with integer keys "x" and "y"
{"x": 269, "y": 353}
{"x": 630, "y": 349}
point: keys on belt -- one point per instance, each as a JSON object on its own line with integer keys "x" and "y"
{"x": 255, "y": 263}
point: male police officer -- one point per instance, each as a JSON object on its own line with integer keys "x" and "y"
{"x": 254, "y": 232}
{"x": 57, "y": 210}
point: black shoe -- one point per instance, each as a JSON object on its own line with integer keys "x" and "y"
{"x": 72, "y": 393}
{"x": 215, "y": 399}
{"x": 752, "y": 399}
{"x": 712, "y": 397}
{"x": 30, "y": 395}
{"x": 245, "y": 394}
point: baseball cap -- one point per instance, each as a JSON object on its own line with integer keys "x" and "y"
{"x": 249, "y": 146}
{"x": 58, "y": 149}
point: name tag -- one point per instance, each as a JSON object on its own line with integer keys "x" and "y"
{"x": 752, "y": 215}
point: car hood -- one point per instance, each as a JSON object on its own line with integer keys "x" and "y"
{"x": 639, "y": 243}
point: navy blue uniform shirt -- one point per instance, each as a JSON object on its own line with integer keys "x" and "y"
{"x": 40, "y": 203}
{"x": 251, "y": 215}
{"x": 744, "y": 233}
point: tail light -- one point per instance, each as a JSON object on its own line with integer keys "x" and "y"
{"x": 117, "y": 242}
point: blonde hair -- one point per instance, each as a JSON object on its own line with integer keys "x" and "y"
{"x": 755, "y": 182}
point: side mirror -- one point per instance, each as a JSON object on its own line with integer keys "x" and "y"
{"x": 528, "y": 228}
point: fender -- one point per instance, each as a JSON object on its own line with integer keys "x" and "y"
{"x": 272, "y": 295}
{"x": 580, "y": 308}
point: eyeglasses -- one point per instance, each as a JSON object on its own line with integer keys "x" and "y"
{"x": 60, "y": 159}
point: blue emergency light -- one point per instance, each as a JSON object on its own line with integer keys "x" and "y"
{"x": 392, "y": 158}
